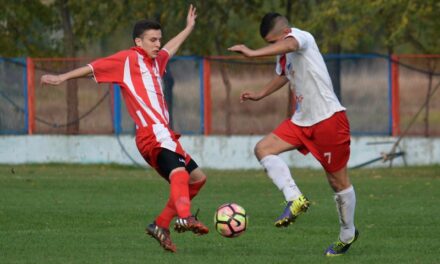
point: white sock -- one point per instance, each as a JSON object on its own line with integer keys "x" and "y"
{"x": 345, "y": 204}
{"x": 278, "y": 171}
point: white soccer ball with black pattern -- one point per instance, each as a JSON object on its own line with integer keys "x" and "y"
{"x": 230, "y": 220}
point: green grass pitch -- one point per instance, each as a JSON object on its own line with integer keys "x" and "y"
{"x": 97, "y": 214}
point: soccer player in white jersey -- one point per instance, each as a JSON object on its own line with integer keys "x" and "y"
{"x": 139, "y": 72}
{"x": 319, "y": 124}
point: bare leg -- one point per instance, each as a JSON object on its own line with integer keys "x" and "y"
{"x": 197, "y": 175}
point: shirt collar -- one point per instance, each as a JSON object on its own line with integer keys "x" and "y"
{"x": 142, "y": 52}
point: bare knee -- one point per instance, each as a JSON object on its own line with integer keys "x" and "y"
{"x": 339, "y": 180}
{"x": 197, "y": 175}
{"x": 337, "y": 185}
{"x": 271, "y": 145}
{"x": 260, "y": 150}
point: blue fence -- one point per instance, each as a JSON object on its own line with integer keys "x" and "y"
{"x": 13, "y": 96}
{"x": 365, "y": 81}
{"x": 366, "y": 91}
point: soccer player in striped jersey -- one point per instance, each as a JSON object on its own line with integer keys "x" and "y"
{"x": 139, "y": 72}
{"x": 319, "y": 124}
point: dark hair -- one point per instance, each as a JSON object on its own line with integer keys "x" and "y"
{"x": 141, "y": 26}
{"x": 267, "y": 23}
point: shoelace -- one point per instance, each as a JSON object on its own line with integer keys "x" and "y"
{"x": 183, "y": 222}
{"x": 339, "y": 245}
{"x": 284, "y": 203}
{"x": 196, "y": 214}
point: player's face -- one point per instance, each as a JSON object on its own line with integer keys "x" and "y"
{"x": 276, "y": 35}
{"x": 150, "y": 42}
{"x": 273, "y": 37}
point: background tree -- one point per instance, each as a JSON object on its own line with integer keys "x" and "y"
{"x": 67, "y": 28}
{"x": 82, "y": 21}
{"x": 26, "y": 28}
{"x": 34, "y": 27}
{"x": 220, "y": 24}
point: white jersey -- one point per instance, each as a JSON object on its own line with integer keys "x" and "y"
{"x": 307, "y": 72}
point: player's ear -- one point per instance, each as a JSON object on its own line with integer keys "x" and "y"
{"x": 286, "y": 30}
{"x": 138, "y": 42}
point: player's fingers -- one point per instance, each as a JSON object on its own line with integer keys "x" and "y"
{"x": 237, "y": 48}
{"x": 48, "y": 79}
{"x": 234, "y": 48}
{"x": 44, "y": 79}
{"x": 251, "y": 96}
{"x": 189, "y": 12}
{"x": 193, "y": 12}
{"x": 244, "y": 96}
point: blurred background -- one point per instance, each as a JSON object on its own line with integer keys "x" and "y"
{"x": 383, "y": 58}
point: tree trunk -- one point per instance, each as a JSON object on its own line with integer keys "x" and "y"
{"x": 227, "y": 83}
{"x": 334, "y": 69}
{"x": 334, "y": 66}
{"x": 289, "y": 10}
{"x": 428, "y": 99}
{"x": 72, "y": 85}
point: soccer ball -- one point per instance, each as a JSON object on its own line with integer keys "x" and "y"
{"x": 230, "y": 220}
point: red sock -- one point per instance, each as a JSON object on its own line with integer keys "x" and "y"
{"x": 169, "y": 212}
{"x": 179, "y": 193}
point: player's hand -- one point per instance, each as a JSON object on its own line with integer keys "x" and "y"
{"x": 242, "y": 49}
{"x": 191, "y": 17}
{"x": 248, "y": 95}
{"x": 51, "y": 79}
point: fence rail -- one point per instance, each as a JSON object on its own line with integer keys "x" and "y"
{"x": 382, "y": 93}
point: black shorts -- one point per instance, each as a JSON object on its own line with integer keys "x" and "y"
{"x": 168, "y": 160}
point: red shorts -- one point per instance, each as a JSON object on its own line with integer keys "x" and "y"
{"x": 328, "y": 140}
{"x": 150, "y": 143}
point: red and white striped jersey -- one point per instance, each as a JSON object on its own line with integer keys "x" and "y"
{"x": 140, "y": 78}
{"x": 141, "y": 85}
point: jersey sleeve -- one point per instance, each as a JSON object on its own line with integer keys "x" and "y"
{"x": 300, "y": 36}
{"x": 109, "y": 69}
{"x": 162, "y": 60}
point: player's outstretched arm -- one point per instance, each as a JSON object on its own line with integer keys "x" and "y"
{"x": 173, "y": 45}
{"x": 280, "y": 47}
{"x": 274, "y": 85}
{"x": 58, "y": 79}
